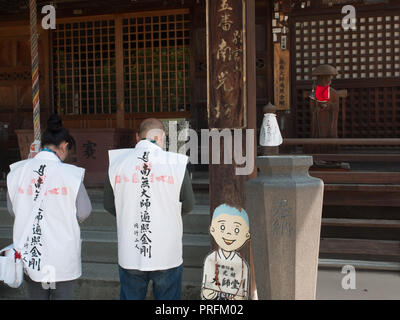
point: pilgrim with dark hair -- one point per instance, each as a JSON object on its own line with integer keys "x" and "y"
{"x": 48, "y": 200}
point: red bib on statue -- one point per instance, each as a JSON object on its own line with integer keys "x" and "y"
{"x": 322, "y": 93}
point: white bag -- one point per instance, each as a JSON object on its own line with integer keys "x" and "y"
{"x": 270, "y": 135}
{"x": 11, "y": 267}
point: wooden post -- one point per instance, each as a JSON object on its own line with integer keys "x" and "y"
{"x": 231, "y": 86}
{"x": 120, "y": 114}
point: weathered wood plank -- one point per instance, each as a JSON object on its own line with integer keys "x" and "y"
{"x": 360, "y": 264}
{"x": 360, "y": 246}
{"x": 357, "y": 157}
{"x": 361, "y": 198}
{"x": 358, "y": 177}
{"x": 281, "y": 77}
{"x": 342, "y": 141}
{"x": 227, "y": 64}
{"x": 132, "y": 120}
{"x": 361, "y": 223}
{"x": 363, "y": 188}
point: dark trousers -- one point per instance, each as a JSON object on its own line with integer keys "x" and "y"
{"x": 167, "y": 284}
{"x": 62, "y": 290}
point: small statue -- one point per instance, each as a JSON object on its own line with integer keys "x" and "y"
{"x": 324, "y": 104}
{"x": 270, "y": 135}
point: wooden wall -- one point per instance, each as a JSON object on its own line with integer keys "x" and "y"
{"x": 15, "y": 65}
{"x": 368, "y": 64}
{"x": 15, "y": 80}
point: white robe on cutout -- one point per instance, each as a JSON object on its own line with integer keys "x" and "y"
{"x": 233, "y": 274}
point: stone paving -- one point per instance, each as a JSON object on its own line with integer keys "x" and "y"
{"x": 370, "y": 285}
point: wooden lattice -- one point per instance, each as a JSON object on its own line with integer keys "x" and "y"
{"x": 157, "y": 62}
{"x": 368, "y": 62}
{"x": 84, "y": 67}
{"x": 371, "y": 51}
{"x": 371, "y": 112}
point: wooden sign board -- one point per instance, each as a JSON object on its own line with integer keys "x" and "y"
{"x": 226, "y": 64}
{"x": 281, "y": 77}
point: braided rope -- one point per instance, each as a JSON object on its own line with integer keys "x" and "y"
{"x": 35, "y": 70}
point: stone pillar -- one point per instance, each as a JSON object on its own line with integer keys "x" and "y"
{"x": 285, "y": 207}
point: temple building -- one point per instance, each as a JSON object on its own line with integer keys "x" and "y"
{"x": 108, "y": 65}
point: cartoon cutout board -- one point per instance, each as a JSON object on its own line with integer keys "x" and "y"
{"x": 225, "y": 272}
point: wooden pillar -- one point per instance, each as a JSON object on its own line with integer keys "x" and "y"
{"x": 231, "y": 97}
{"x": 120, "y": 114}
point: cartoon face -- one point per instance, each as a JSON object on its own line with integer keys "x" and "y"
{"x": 230, "y": 232}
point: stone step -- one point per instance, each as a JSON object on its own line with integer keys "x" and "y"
{"x": 102, "y": 246}
{"x": 100, "y": 281}
{"x": 195, "y": 222}
{"x": 200, "y": 189}
{"x": 3, "y": 192}
{"x": 5, "y": 218}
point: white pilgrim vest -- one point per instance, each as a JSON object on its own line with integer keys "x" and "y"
{"x": 147, "y": 181}
{"x": 50, "y": 241}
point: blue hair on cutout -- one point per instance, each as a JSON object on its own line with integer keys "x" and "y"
{"x": 225, "y": 209}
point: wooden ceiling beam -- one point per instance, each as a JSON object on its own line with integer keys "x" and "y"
{"x": 67, "y": 8}
{"x": 15, "y": 6}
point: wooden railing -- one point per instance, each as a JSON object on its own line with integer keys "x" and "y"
{"x": 343, "y": 141}
{"x": 131, "y": 120}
